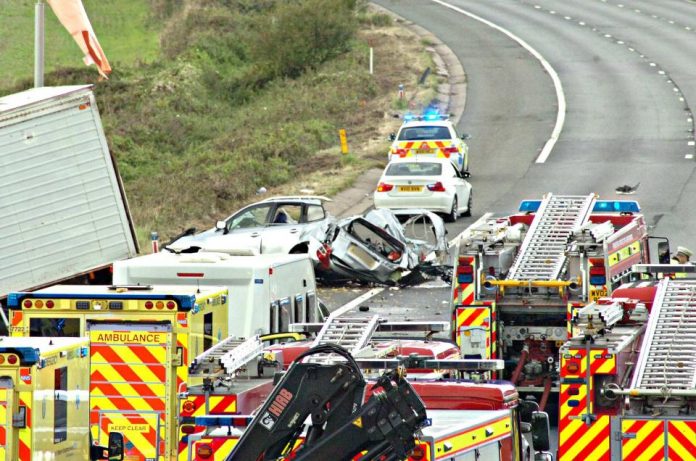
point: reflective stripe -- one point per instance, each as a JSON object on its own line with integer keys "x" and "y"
{"x": 24, "y": 448}
{"x": 472, "y": 438}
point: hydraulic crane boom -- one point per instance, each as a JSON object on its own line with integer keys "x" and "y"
{"x": 340, "y": 427}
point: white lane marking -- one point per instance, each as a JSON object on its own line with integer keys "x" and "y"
{"x": 689, "y": 156}
{"x": 691, "y": 143}
{"x": 350, "y": 305}
{"x": 560, "y": 95}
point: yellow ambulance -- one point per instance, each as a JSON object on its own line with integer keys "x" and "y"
{"x": 141, "y": 341}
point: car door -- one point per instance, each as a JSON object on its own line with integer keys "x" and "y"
{"x": 454, "y": 178}
{"x": 283, "y": 229}
{"x": 244, "y": 230}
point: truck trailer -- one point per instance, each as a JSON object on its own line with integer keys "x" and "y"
{"x": 64, "y": 211}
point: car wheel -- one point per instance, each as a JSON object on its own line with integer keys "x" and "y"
{"x": 454, "y": 212}
{"x": 469, "y": 204}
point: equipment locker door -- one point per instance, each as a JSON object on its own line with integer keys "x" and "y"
{"x": 655, "y": 439}
{"x": 131, "y": 373}
{"x": 6, "y": 393}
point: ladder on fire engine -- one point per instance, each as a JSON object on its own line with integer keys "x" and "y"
{"x": 351, "y": 333}
{"x": 226, "y": 357}
{"x": 667, "y": 358}
{"x": 542, "y": 254}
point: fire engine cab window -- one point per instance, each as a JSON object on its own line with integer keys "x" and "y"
{"x": 424, "y": 133}
{"x": 60, "y": 406}
{"x": 49, "y": 326}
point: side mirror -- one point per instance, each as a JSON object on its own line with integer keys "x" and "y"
{"x": 392, "y": 136}
{"x": 541, "y": 431}
{"x": 115, "y": 446}
{"x": 465, "y": 136}
{"x": 221, "y": 225}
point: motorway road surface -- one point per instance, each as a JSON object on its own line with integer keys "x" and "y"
{"x": 628, "y": 74}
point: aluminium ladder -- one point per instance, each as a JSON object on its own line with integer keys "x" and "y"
{"x": 668, "y": 353}
{"x": 351, "y": 333}
{"x": 226, "y": 357}
{"x": 542, "y": 254}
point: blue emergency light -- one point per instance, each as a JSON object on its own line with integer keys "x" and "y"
{"x": 616, "y": 206}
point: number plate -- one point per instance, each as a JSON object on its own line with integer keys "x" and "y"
{"x": 410, "y": 188}
{"x": 425, "y": 150}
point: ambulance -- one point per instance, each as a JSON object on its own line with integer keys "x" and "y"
{"x": 270, "y": 292}
{"x": 141, "y": 339}
{"x": 44, "y": 402}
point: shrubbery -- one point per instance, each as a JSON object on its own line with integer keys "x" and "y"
{"x": 246, "y": 93}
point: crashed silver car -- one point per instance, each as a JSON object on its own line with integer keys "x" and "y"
{"x": 275, "y": 225}
{"x": 378, "y": 248}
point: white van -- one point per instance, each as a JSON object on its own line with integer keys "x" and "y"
{"x": 267, "y": 292}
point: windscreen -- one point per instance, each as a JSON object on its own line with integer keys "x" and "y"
{"x": 424, "y": 133}
{"x": 414, "y": 169}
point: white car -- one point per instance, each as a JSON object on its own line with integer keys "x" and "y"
{"x": 432, "y": 184}
{"x": 274, "y": 225}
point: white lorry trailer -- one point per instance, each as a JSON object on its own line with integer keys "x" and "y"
{"x": 64, "y": 212}
{"x": 267, "y": 292}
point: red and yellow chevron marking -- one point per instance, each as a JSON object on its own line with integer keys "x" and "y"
{"x": 681, "y": 440}
{"x": 218, "y": 404}
{"x": 24, "y": 439}
{"x": 602, "y": 362}
{"x": 222, "y": 447}
{"x": 468, "y": 317}
{"x": 473, "y": 437}
{"x": 578, "y": 441}
{"x": 494, "y": 333}
{"x": 463, "y": 294}
{"x": 3, "y": 425}
{"x": 413, "y": 146}
{"x": 649, "y": 441}
{"x": 132, "y": 380}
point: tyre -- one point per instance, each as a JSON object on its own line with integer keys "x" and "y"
{"x": 469, "y": 204}
{"x": 454, "y": 212}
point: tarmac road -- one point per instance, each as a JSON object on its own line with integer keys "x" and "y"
{"x": 627, "y": 78}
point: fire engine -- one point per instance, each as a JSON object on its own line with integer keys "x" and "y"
{"x": 471, "y": 417}
{"x": 141, "y": 339}
{"x": 35, "y": 427}
{"x": 518, "y": 278}
{"x": 628, "y": 378}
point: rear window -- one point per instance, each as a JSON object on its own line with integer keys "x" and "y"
{"x": 424, "y": 133}
{"x": 414, "y": 169}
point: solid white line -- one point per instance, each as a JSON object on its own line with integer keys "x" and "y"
{"x": 560, "y": 117}
{"x": 350, "y": 305}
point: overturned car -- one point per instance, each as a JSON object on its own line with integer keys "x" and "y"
{"x": 378, "y": 248}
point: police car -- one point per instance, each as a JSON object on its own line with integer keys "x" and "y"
{"x": 431, "y": 134}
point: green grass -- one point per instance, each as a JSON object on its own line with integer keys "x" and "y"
{"x": 124, "y": 28}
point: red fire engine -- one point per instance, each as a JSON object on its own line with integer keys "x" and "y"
{"x": 628, "y": 378}
{"x": 518, "y": 278}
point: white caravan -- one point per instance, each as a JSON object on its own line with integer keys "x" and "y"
{"x": 267, "y": 292}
